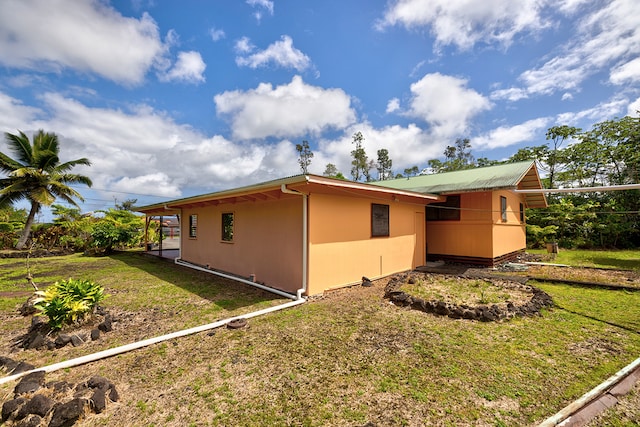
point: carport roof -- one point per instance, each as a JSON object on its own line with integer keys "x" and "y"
{"x": 508, "y": 176}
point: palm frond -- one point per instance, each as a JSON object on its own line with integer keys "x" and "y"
{"x": 20, "y": 145}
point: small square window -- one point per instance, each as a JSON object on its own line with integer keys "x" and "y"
{"x": 227, "y": 227}
{"x": 379, "y": 220}
{"x": 193, "y": 226}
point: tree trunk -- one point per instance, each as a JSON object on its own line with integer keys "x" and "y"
{"x": 24, "y": 236}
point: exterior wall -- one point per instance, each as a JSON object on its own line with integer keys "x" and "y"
{"x": 471, "y": 236}
{"x": 480, "y": 233}
{"x": 341, "y": 249}
{"x": 267, "y": 241}
{"x": 509, "y": 236}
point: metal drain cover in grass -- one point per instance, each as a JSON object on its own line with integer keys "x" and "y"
{"x": 237, "y": 323}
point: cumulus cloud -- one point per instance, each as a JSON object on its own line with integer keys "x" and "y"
{"x": 407, "y": 145}
{"x": 280, "y": 53}
{"x": 393, "y": 105}
{"x": 188, "y": 68}
{"x": 505, "y": 136}
{"x": 87, "y": 36}
{"x": 464, "y": 23}
{"x": 217, "y": 34}
{"x": 446, "y": 104}
{"x": 288, "y": 110}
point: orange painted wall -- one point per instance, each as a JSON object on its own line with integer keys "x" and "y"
{"x": 267, "y": 241}
{"x": 471, "y": 236}
{"x": 341, "y": 249}
{"x": 480, "y": 231}
{"x": 508, "y": 236}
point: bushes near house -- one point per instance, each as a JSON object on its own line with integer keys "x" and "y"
{"x": 69, "y": 301}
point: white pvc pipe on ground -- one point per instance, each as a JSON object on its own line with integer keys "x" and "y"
{"x": 139, "y": 344}
{"x": 236, "y": 278}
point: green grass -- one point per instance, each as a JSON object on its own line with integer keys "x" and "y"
{"x": 347, "y": 359}
{"x": 619, "y": 259}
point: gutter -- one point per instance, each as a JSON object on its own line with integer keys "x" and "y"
{"x": 581, "y": 189}
{"x": 305, "y": 236}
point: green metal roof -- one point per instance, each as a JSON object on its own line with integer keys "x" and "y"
{"x": 523, "y": 175}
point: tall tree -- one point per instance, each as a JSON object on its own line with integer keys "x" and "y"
{"x": 304, "y": 156}
{"x": 412, "y": 171}
{"x": 37, "y": 175}
{"x": 384, "y": 165}
{"x": 360, "y": 164}
{"x": 457, "y": 156}
{"x": 554, "y": 159}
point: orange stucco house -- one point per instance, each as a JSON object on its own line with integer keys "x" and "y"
{"x": 307, "y": 234}
{"x": 482, "y": 220}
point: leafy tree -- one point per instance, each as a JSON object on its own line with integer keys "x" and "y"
{"x": 332, "y": 171}
{"x": 304, "y": 156}
{"x": 127, "y": 205}
{"x": 384, "y": 165}
{"x": 360, "y": 164}
{"x": 117, "y": 229}
{"x": 412, "y": 171}
{"x": 37, "y": 175}
{"x": 554, "y": 156}
{"x": 457, "y": 157}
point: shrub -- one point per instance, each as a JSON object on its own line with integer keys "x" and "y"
{"x": 69, "y": 301}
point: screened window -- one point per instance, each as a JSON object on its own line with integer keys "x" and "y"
{"x": 227, "y": 227}
{"x": 379, "y": 220}
{"x": 448, "y": 210}
{"x": 193, "y": 225}
{"x": 503, "y": 208}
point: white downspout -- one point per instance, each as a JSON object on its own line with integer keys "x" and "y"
{"x": 305, "y": 237}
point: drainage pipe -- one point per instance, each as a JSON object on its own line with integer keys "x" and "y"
{"x": 305, "y": 236}
{"x": 144, "y": 343}
{"x": 236, "y": 278}
{"x": 592, "y": 395}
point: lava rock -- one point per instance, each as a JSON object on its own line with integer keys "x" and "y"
{"x": 68, "y": 413}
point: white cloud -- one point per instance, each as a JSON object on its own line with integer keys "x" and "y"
{"x": 393, "y": 105}
{"x": 505, "y": 136}
{"x": 188, "y": 68}
{"x": 604, "y": 36}
{"x": 288, "y": 110}
{"x": 603, "y": 111}
{"x": 216, "y": 34}
{"x": 244, "y": 45}
{"x": 446, "y": 104}
{"x": 14, "y": 115}
{"x": 464, "y": 23}
{"x": 627, "y": 72}
{"x": 634, "y": 108}
{"x": 280, "y": 53}
{"x": 512, "y": 94}
{"x": 88, "y": 36}
{"x": 261, "y": 4}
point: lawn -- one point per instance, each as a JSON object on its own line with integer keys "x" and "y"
{"x": 348, "y": 358}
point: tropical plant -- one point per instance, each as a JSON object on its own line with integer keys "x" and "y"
{"x": 118, "y": 228}
{"x": 37, "y": 175}
{"x": 69, "y": 301}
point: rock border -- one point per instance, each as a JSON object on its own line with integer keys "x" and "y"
{"x": 56, "y": 404}
{"x": 482, "y": 312}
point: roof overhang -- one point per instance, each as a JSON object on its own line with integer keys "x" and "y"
{"x": 304, "y": 184}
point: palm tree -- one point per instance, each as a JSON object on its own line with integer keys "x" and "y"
{"x": 37, "y": 175}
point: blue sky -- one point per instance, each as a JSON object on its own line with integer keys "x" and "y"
{"x": 172, "y": 99}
